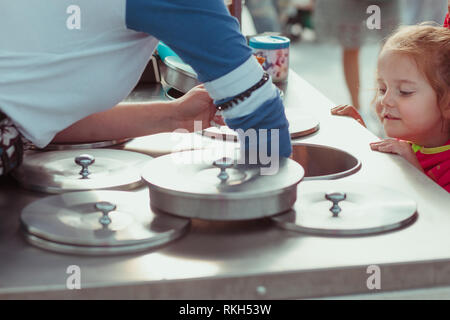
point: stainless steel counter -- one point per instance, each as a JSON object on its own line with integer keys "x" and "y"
{"x": 251, "y": 260}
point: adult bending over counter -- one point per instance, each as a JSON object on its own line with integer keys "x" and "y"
{"x": 60, "y": 80}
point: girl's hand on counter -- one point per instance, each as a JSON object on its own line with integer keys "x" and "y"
{"x": 349, "y": 111}
{"x": 195, "y": 105}
{"x": 400, "y": 147}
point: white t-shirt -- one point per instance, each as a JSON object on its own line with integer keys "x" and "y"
{"x": 53, "y": 74}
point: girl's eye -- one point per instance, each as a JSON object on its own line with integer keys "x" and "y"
{"x": 406, "y": 93}
{"x": 381, "y": 90}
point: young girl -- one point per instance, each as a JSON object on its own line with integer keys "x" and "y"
{"x": 413, "y": 99}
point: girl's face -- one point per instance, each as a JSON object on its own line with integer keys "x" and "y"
{"x": 406, "y": 103}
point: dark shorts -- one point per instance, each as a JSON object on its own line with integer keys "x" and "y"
{"x": 11, "y": 145}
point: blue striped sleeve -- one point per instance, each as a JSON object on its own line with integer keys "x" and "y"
{"x": 201, "y": 32}
{"x": 207, "y": 37}
{"x": 270, "y": 115}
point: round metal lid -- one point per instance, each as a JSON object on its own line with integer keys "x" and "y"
{"x": 159, "y": 144}
{"x": 340, "y": 208}
{"x": 299, "y": 126}
{"x": 91, "y": 250}
{"x": 100, "y": 222}
{"x": 86, "y": 145}
{"x": 205, "y": 175}
{"x": 78, "y": 170}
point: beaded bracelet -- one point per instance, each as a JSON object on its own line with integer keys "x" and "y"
{"x": 244, "y": 95}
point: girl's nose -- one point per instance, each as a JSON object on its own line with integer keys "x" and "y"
{"x": 388, "y": 99}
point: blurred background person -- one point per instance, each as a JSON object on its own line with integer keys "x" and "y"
{"x": 265, "y": 15}
{"x": 298, "y": 19}
{"x": 416, "y": 11}
{"x": 344, "y": 21}
{"x": 272, "y": 15}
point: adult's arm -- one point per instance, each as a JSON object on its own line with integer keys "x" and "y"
{"x": 122, "y": 121}
{"x": 139, "y": 119}
{"x": 207, "y": 37}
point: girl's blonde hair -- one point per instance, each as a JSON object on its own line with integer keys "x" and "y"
{"x": 429, "y": 46}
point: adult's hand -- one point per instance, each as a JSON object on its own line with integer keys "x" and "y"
{"x": 195, "y": 105}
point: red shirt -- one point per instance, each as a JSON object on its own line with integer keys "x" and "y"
{"x": 436, "y": 163}
{"x": 447, "y": 21}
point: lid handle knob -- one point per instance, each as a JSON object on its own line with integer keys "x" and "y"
{"x": 105, "y": 207}
{"x": 223, "y": 163}
{"x": 335, "y": 197}
{"x": 84, "y": 160}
